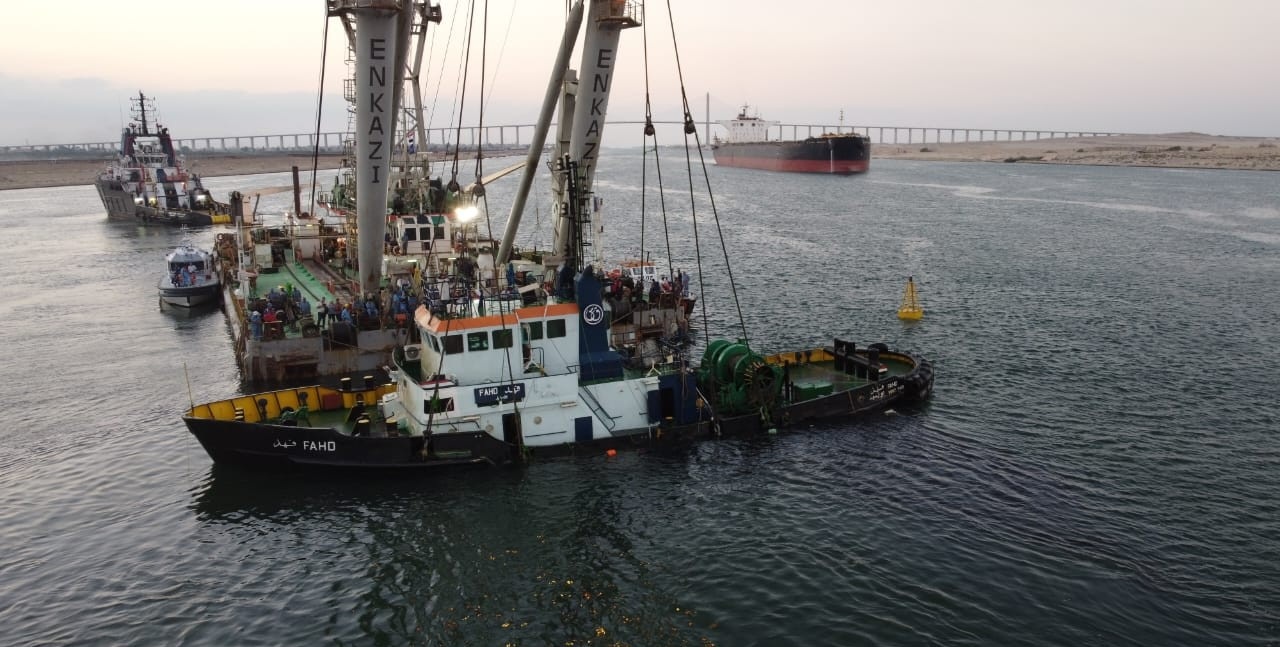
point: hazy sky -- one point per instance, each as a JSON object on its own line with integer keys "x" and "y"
{"x": 241, "y": 67}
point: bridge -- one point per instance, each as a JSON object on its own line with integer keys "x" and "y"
{"x": 518, "y": 135}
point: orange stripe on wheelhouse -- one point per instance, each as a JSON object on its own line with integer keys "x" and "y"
{"x": 428, "y": 321}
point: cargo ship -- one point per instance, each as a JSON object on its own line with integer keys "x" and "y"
{"x": 748, "y": 146}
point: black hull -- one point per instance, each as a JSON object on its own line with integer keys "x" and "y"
{"x": 258, "y": 446}
{"x": 190, "y": 297}
{"x": 268, "y": 445}
{"x": 846, "y": 405}
{"x": 120, "y": 206}
{"x": 911, "y": 388}
{"x": 843, "y": 155}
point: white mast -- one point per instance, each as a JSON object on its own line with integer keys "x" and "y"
{"x": 379, "y": 74}
{"x": 605, "y": 21}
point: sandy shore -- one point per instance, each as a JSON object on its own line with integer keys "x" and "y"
{"x": 30, "y": 174}
{"x": 1178, "y": 150}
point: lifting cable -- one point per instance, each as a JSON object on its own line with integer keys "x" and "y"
{"x": 650, "y": 131}
{"x": 436, "y": 378}
{"x": 690, "y": 128}
{"x": 435, "y": 99}
{"x": 501, "y": 50}
{"x": 315, "y": 151}
{"x": 462, "y": 101}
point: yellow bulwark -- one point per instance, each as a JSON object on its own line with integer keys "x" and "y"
{"x": 910, "y": 309}
{"x": 319, "y": 398}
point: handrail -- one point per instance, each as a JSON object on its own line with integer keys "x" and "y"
{"x": 597, "y": 408}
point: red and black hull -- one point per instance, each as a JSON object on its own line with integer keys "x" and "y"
{"x": 837, "y": 155}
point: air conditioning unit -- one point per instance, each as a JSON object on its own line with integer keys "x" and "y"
{"x": 413, "y": 352}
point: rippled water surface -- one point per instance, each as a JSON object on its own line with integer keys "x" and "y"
{"x": 1098, "y": 466}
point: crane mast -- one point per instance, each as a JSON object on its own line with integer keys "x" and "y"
{"x": 380, "y": 33}
{"x": 604, "y": 24}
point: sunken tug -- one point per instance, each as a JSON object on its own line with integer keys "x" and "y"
{"x": 750, "y": 392}
{"x": 493, "y": 382}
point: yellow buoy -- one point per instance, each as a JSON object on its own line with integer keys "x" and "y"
{"x": 910, "y": 309}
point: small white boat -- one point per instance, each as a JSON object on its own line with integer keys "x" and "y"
{"x": 190, "y": 277}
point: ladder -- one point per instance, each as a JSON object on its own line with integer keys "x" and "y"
{"x": 596, "y": 408}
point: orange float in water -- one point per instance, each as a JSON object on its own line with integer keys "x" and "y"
{"x": 611, "y": 453}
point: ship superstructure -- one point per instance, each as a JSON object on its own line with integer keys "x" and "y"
{"x": 148, "y": 180}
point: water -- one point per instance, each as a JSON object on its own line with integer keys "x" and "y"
{"x": 1098, "y": 465}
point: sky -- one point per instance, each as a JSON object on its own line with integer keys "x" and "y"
{"x": 252, "y": 67}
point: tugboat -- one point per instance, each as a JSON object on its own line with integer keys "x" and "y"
{"x": 486, "y": 381}
{"x": 751, "y": 393}
{"x": 148, "y": 181}
{"x": 748, "y": 146}
{"x": 190, "y": 278}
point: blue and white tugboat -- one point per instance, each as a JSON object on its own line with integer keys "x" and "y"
{"x": 190, "y": 277}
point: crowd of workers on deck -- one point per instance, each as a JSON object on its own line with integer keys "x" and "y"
{"x": 287, "y": 308}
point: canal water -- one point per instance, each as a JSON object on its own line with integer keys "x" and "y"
{"x": 1099, "y": 464}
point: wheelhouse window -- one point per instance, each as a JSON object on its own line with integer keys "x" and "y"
{"x": 437, "y": 405}
{"x": 452, "y": 344}
{"x": 533, "y": 330}
{"x": 477, "y": 341}
{"x": 555, "y": 328}
{"x": 502, "y": 339}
